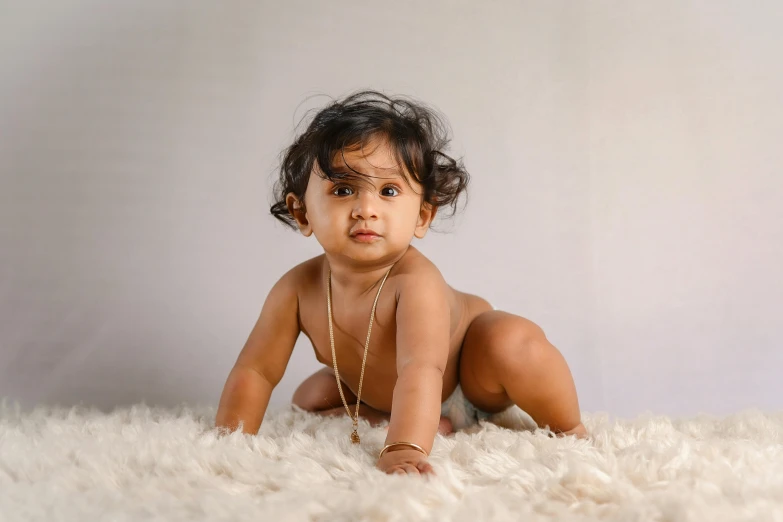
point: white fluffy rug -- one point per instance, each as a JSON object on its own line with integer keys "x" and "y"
{"x": 144, "y": 463}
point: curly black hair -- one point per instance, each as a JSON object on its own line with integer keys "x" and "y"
{"x": 416, "y": 134}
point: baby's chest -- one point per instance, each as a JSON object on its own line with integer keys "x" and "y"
{"x": 349, "y": 337}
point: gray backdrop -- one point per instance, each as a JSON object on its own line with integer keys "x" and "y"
{"x": 625, "y": 196}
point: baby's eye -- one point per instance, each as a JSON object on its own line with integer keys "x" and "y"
{"x": 394, "y": 191}
{"x": 346, "y": 191}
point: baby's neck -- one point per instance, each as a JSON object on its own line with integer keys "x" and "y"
{"x": 354, "y": 280}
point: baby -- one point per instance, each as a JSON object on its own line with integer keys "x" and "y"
{"x": 399, "y": 343}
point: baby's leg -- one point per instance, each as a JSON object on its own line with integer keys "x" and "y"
{"x": 319, "y": 394}
{"x": 507, "y": 359}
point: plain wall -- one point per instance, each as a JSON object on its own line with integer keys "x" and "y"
{"x": 685, "y": 126}
{"x": 626, "y": 180}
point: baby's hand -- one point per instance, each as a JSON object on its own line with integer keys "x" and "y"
{"x": 401, "y": 462}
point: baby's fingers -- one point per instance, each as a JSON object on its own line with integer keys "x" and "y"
{"x": 404, "y": 469}
{"x": 410, "y": 469}
{"x": 426, "y": 468}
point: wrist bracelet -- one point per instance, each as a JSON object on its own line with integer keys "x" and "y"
{"x": 412, "y": 445}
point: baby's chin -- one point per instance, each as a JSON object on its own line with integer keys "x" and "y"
{"x": 367, "y": 254}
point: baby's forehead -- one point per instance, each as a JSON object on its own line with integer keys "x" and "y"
{"x": 373, "y": 161}
{"x": 364, "y": 173}
{"x": 374, "y": 154}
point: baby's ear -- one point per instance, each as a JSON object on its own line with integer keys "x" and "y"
{"x": 298, "y": 211}
{"x": 426, "y": 215}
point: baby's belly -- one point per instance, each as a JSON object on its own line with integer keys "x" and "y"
{"x": 380, "y": 375}
{"x": 379, "y": 382}
{"x": 380, "y": 395}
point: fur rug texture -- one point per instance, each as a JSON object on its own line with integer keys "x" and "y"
{"x": 143, "y": 463}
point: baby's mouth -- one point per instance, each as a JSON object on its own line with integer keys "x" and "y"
{"x": 365, "y": 238}
{"x": 364, "y": 235}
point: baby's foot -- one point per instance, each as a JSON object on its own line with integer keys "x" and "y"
{"x": 444, "y": 426}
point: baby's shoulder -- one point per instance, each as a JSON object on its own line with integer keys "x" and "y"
{"x": 304, "y": 275}
{"x": 417, "y": 272}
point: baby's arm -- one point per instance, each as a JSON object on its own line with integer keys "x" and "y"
{"x": 262, "y": 361}
{"x": 423, "y": 321}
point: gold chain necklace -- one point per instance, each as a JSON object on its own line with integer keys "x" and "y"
{"x": 355, "y": 435}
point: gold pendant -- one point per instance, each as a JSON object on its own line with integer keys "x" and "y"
{"x": 355, "y": 437}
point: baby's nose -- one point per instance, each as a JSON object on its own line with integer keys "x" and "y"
{"x": 364, "y": 207}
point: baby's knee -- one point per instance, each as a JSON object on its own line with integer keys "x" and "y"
{"x": 319, "y": 392}
{"x": 303, "y": 398}
{"x": 309, "y": 395}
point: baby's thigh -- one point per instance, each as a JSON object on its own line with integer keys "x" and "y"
{"x": 480, "y": 358}
{"x": 319, "y": 392}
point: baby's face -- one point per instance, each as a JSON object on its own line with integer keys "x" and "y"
{"x": 370, "y": 218}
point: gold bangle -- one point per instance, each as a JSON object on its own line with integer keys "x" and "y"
{"x": 412, "y": 445}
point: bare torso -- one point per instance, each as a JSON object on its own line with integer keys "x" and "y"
{"x": 351, "y": 315}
